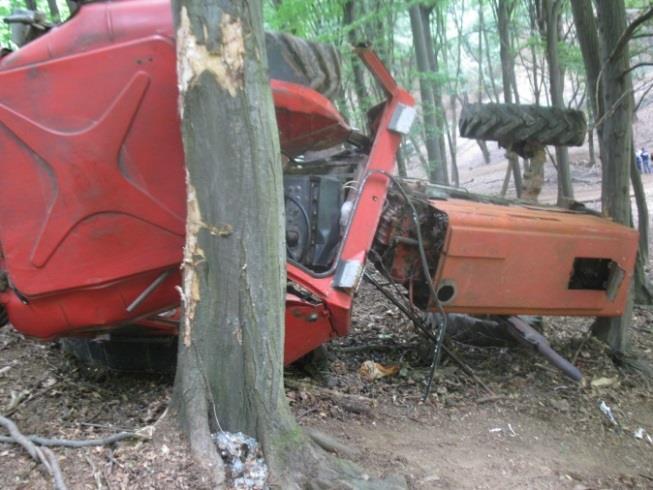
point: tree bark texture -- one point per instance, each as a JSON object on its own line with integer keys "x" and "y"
{"x": 230, "y": 360}
{"x": 616, "y": 149}
{"x": 230, "y": 365}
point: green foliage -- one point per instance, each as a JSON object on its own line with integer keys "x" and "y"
{"x": 9, "y": 6}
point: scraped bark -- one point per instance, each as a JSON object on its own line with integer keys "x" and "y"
{"x": 230, "y": 362}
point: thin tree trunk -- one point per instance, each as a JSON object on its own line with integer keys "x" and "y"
{"x": 440, "y": 116}
{"x": 616, "y": 150}
{"x": 349, "y": 16}
{"x": 30, "y": 4}
{"x": 507, "y": 69}
{"x": 437, "y": 169}
{"x": 54, "y": 11}
{"x": 481, "y": 79}
{"x": 490, "y": 69}
{"x": 556, "y": 86}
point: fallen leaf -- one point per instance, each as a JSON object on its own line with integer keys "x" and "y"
{"x": 371, "y": 370}
{"x": 604, "y": 382}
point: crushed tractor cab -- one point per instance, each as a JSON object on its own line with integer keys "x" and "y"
{"x": 92, "y": 213}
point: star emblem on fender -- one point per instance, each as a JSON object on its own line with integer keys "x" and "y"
{"x": 87, "y": 173}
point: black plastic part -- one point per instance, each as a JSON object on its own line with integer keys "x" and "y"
{"x": 147, "y": 354}
{"x": 319, "y": 199}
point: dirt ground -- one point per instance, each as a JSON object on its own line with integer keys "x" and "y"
{"x": 536, "y": 429}
{"x": 532, "y": 427}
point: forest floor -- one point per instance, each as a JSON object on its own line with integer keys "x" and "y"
{"x": 535, "y": 429}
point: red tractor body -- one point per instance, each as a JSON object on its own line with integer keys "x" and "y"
{"x": 92, "y": 208}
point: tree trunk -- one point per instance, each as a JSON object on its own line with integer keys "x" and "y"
{"x": 616, "y": 150}
{"x": 349, "y": 16}
{"x": 483, "y": 32}
{"x": 433, "y": 47}
{"x": 507, "y": 69}
{"x": 437, "y": 168}
{"x": 72, "y": 6}
{"x": 54, "y": 11}
{"x": 586, "y": 34}
{"x": 230, "y": 361}
{"x": 643, "y": 290}
{"x": 556, "y": 87}
{"x": 30, "y": 4}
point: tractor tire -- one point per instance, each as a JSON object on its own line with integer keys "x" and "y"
{"x": 523, "y": 127}
{"x": 125, "y": 353}
{"x": 295, "y": 60}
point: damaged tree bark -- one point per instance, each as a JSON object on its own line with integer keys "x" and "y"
{"x": 230, "y": 362}
{"x": 229, "y": 374}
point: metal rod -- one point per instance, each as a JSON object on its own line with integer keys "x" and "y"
{"x": 148, "y": 290}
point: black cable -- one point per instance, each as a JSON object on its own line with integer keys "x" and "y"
{"x": 437, "y": 348}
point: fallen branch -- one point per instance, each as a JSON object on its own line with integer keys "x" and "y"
{"x": 375, "y": 347}
{"x": 42, "y": 455}
{"x": 351, "y": 403}
{"x": 74, "y": 443}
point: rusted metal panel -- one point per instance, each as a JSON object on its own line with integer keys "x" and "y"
{"x": 521, "y": 260}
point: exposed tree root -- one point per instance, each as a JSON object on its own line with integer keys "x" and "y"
{"x": 635, "y": 363}
{"x": 331, "y": 444}
{"x": 41, "y": 454}
{"x": 304, "y": 464}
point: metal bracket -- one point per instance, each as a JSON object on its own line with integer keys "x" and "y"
{"x": 402, "y": 119}
{"x": 348, "y": 274}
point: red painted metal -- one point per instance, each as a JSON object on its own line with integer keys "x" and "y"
{"x": 514, "y": 260}
{"x": 92, "y": 207}
{"x": 306, "y": 119}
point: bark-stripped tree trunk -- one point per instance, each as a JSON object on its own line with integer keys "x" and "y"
{"x": 230, "y": 361}
{"x": 551, "y": 10}
{"x": 231, "y": 339}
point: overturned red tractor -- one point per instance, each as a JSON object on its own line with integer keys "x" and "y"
{"x": 92, "y": 212}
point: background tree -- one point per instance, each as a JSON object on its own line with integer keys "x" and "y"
{"x": 503, "y": 13}
{"x": 551, "y": 12}
{"x": 423, "y": 52}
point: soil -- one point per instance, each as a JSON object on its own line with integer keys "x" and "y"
{"x": 536, "y": 429}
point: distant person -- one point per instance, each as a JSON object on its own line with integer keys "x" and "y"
{"x": 646, "y": 161}
{"x": 638, "y": 161}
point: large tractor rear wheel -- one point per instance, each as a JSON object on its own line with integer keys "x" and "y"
{"x": 295, "y": 60}
{"x": 522, "y": 128}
